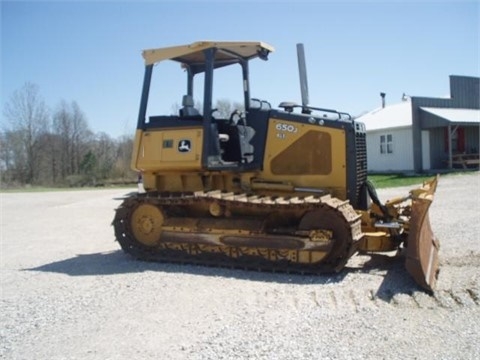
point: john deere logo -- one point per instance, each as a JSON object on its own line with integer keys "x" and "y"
{"x": 184, "y": 146}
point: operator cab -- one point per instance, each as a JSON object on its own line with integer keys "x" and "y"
{"x": 228, "y": 140}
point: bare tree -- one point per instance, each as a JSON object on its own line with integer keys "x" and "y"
{"x": 28, "y": 118}
{"x": 124, "y": 154}
{"x": 73, "y": 137}
{"x": 81, "y": 135}
{"x": 35, "y": 150}
{"x": 12, "y": 158}
{"x": 105, "y": 151}
{"x": 62, "y": 127}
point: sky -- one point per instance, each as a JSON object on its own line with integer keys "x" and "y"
{"x": 90, "y": 51}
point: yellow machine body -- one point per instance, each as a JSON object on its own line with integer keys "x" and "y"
{"x": 262, "y": 188}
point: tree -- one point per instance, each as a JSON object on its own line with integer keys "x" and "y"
{"x": 12, "y": 157}
{"x": 81, "y": 135}
{"x": 123, "y": 158}
{"x": 73, "y": 138}
{"x": 105, "y": 150}
{"x": 61, "y": 150}
{"x": 88, "y": 167}
{"x": 124, "y": 155}
{"x": 62, "y": 128}
{"x": 29, "y": 120}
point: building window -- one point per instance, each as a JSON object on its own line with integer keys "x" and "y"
{"x": 386, "y": 144}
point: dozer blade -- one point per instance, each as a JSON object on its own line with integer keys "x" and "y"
{"x": 422, "y": 245}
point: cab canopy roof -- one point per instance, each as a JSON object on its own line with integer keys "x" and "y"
{"x": 193, "y": 55}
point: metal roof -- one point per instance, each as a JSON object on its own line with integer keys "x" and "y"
{"x": 400, "y": 115}
{"x": 455, "y": 115}
{"x": 392, "y": 116}
{"x": 228, "y": 52}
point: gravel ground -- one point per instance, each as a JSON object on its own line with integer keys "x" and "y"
{"x": 68, "y": 292}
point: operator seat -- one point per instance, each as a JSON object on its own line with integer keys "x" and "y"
{"x": 187, "y": 109}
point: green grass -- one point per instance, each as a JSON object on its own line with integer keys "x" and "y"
{"x": 396, "y": 180}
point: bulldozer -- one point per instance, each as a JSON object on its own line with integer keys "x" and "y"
{"x": 271, "y": 189}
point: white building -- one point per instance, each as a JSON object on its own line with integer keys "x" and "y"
{"x": 421, "y": 133}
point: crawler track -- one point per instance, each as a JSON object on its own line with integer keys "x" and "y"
{"x": 305, "y": 235}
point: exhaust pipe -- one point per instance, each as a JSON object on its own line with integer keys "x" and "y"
{"x": 306, "y": 109}
{"x": 302, "y": 70}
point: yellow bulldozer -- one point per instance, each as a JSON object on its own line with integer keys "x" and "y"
{"x": 276, "y": 189}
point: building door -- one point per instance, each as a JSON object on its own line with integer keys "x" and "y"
{"x": 455, "y": 135}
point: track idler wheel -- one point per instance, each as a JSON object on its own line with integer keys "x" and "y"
{"x": 340, "y": 240}
{"x": 146, "y": 224}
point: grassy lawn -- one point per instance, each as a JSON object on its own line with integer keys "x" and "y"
{"x": 395, "y": 180}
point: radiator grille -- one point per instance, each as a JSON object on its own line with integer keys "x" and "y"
{"x": 361, "y": 160}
